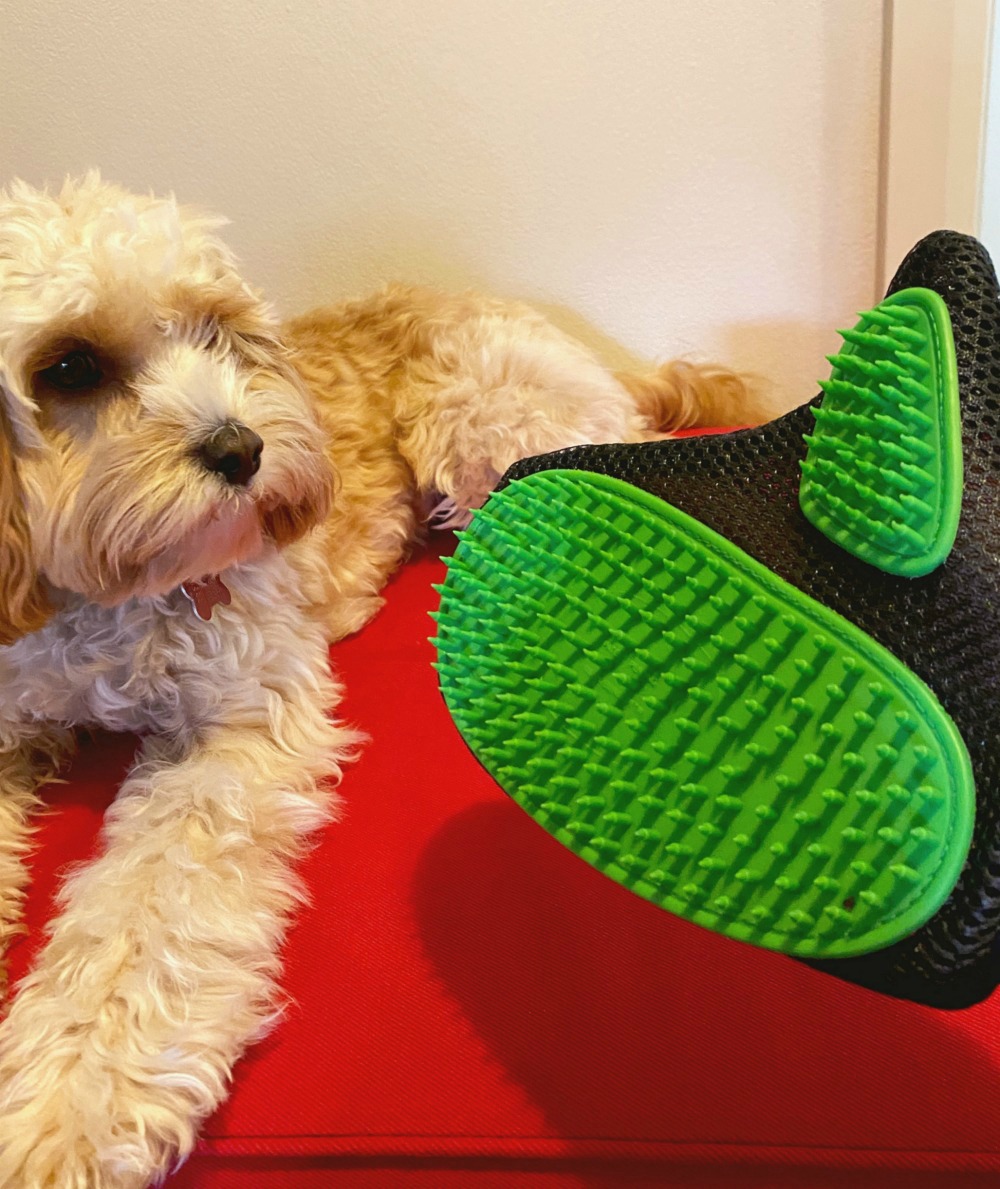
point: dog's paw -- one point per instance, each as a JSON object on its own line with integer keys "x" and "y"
{"x": 350, "y": 615}
{"x": 59, "y": 1158}
{"x": 77, "y": 1113}
{"x": 57, "y": 1140}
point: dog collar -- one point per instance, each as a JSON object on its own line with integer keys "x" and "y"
{"x": 206, "y": 593}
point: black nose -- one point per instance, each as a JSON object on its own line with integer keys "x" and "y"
{"x": 233, "y": 452}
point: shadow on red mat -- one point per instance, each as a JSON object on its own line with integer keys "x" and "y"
{"x": 626, "y": 1024}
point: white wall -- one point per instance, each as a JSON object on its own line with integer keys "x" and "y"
{"x": 683, "y": 175}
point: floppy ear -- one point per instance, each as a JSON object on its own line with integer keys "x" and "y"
{"x": 262, "y": 344}
{"x": 24, "y": 605}
{"x": 292, "y": 519}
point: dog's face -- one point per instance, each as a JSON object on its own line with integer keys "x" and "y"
{"x": 152, "y": 429}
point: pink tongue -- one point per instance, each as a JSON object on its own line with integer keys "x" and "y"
{"x": 206, "y": 594}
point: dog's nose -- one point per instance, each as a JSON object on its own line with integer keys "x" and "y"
{"x": 232, "y": 451}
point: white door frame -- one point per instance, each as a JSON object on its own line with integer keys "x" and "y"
{"x": 935, "y": 125}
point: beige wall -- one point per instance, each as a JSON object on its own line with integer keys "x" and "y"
{"x": 682, "y": 175}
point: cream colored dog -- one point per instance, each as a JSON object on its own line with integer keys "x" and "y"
{"x": 193, "y": 503}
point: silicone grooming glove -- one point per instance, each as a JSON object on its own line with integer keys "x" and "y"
{"x": 753, "y": 676}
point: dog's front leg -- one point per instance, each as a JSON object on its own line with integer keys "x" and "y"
{"x": 162, "y": 964}
{"x": 25, "y": 763}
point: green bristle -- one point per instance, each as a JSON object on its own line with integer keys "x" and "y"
{"x": 752, "y": 788}
{"x": 888, "y": 427}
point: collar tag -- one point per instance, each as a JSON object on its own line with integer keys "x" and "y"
{"x": 205, "y": 594}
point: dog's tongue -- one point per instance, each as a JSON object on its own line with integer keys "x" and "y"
{"x": 206, "y": 594}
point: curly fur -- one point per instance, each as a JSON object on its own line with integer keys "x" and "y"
{"x": 162, "y": 963}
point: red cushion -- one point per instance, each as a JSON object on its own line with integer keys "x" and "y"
{"x": 471, "y": 1000}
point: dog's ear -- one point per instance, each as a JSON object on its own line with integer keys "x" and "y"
{"x": 288, "y": 522}
{"x": 316, "y": 482}
{"x": 24, "y": 605}
{"x": 261, "y": 342}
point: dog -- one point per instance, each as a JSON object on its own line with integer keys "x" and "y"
{"x": 194, "y": 501}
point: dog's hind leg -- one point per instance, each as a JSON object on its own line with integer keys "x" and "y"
{"x": 494, "y": 393}
{"x": 460, "y": 429}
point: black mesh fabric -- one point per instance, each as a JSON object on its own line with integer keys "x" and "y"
{"x": 944, "y": 626}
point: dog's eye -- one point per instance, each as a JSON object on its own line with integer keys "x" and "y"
{"x": 75, "y": 372}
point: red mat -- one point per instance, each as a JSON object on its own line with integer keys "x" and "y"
{"x": 474, "y": 1006}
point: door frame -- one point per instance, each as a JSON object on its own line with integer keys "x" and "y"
{"x": 935, "y": 170}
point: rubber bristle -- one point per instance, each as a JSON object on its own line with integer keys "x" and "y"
{"x": 889, "y": 421}
{"x": 735, "y": 757}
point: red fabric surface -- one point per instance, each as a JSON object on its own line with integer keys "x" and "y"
{"x": 474, "y": 1005}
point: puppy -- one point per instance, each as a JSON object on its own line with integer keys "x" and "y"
{"x": 193, "y": 503}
